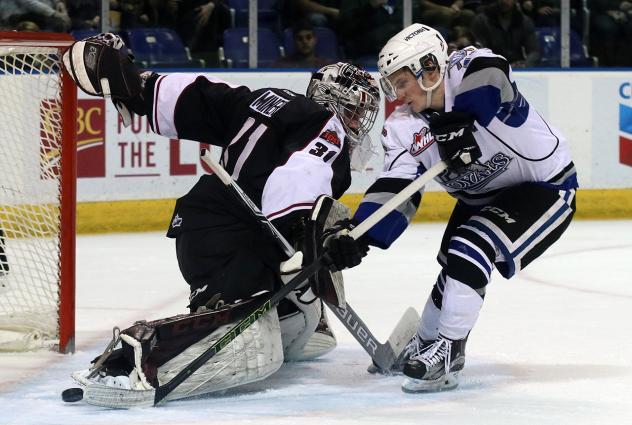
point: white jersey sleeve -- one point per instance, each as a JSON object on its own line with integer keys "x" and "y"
{"x": 405, "y": 138}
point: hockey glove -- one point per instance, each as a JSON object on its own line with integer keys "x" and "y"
{"x": 456, "y": 143}
{"x": 344, "y": 251}
{"x": 101, "y": 66}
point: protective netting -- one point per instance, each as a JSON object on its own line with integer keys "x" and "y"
{"x": 30, "y": 184}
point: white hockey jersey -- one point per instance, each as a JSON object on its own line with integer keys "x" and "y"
{"x": 517, "y": 144}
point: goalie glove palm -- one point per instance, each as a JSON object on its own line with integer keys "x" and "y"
{"x": 456, "y": 143}
{"x": 101, "y": 66}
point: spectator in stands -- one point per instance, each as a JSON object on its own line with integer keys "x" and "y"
{"x": 84, "y": 14}
{"x": 164, "y": 13}
{"x": 201, "y": 24}
{"x": 460, "y": 38}
{"x": 503, "y": 28}
{"x": 134, "y": 13}
{"x": 48, "y": 15}
{"x": 365, "y": 26}
{"x": 543, "y": 13}
{"x": 444, "y": 14}
{"x": 546, "y": 13}
{"x": 611, "y": 31}
{"x": 304, "y": 55}
{"x": 321, "y": 13}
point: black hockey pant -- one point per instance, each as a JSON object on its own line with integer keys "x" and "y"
{"x": 508, "y": 234}
{"x": 227, "y": 262}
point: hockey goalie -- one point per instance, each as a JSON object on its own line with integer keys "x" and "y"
{"x": 292, "y": 156}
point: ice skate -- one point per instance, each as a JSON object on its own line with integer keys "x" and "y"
{"x": 435, "y": 367}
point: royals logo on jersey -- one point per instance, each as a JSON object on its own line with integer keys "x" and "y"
{"x": 421, "y": 141}
{"x": 477, "y": 175}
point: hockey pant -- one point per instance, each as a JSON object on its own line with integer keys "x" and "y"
{"x": 507, "y": 234}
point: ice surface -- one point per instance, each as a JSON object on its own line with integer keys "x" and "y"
{"x": 552, "y": 346}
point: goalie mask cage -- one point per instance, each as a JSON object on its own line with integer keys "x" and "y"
{"x": 38, "y": 106}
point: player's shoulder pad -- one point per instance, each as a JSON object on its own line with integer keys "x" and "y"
{"x": 469, "y": 60}
{"x": 477, "y": 60}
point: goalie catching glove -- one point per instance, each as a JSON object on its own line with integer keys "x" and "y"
{"x": 456, "y": 143}
{"x": 101, "y": 66}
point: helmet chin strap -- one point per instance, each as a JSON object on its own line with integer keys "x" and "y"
{"x": 429, "y": 90}
{"x": 428, "y": 98}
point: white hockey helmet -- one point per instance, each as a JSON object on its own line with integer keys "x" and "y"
{"x": 349, "y": 92}
{"x": 419, "y": 48}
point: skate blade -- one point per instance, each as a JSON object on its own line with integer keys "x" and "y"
{"x": 444, "y": 383}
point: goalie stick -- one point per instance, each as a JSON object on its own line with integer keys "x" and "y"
{"x": 122, "y": 398}
{"x": 384, "y": 355}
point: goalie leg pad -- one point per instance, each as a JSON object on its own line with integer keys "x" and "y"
{"x": 152, "y": 353}
{"x": 254, "y": 355}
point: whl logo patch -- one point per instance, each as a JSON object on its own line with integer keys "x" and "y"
{"x": 331, "y": 137}
{"x": 421, "y": 141}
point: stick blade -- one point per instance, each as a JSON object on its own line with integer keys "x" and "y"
{"x": 387, "y": 354}
{"x": 404, "y": 331}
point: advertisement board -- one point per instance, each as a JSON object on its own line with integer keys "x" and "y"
{"x": 593, "y": 109}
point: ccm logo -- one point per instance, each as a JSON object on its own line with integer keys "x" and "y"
{"x": 449, "y": 136}
{"x": 500, "y": 213}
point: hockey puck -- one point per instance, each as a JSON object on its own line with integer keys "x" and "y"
{"x": 72, "y": 395}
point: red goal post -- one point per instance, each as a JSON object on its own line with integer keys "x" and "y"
{"x": 38, "y": 107}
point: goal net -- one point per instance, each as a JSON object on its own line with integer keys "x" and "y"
{"x": 37, "y": 193}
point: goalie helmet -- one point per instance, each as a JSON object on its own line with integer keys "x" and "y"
{"x": 353, "y": 95}
{"x": 349, "y": 92}
{"x": 419, "y": 48}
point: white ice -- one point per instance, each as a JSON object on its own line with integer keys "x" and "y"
{"x": 552, "y": 346}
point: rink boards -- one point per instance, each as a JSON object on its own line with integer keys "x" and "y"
{"x": 130, "y": 177}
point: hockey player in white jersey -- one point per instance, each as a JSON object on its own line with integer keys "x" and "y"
{"x": 510, "y": 171}
{"x": 284, "y": 150}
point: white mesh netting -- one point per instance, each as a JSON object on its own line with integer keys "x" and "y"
{"x": 30, "y": 148}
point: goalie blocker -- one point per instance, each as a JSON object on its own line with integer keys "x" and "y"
{"x": 152, "y": 353}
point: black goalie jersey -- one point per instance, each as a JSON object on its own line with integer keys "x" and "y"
{"x": 283, "y": 149}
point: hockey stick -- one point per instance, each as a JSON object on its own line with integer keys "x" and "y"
{"x": 384, "y": 355}
{"x": 164, "y": 390}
